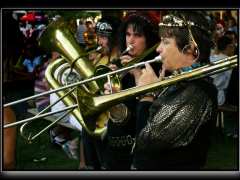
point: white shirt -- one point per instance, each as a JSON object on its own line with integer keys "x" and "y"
{"x": 60, "y": 105}
{"x": 221, "y": 80}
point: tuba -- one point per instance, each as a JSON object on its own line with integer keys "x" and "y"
{"x": 55, "y": 74}
{"x": 58, "y": 38}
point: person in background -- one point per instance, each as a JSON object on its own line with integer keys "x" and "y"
{"x": 107, "y": 38}
{"x": 225, "y": 48}
{"x": 12, "y": 84}
{"x": 41, "y": 85}
{"x": 9, "y": 140}
{"x": 232, "y": 25}
{"x": 59, "y": 135}
{"x": 232, "y": 35}
{"x": 175, "y": 134}
{"x": 138, "y": 30}
{"x": 232, "y": 90}
{"x": 89, "y": 35}
{"x": 79, "y": 35}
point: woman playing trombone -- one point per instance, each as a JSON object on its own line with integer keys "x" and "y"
{"x": 175, "y": 134}
{"x": 140, "y": 33}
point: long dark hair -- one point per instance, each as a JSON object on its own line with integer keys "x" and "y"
{"x": 143, "y": 24}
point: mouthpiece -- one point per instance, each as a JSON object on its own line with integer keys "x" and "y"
{"x": 99, "y": 48}
{"x": 158, "y": 58}
{"x": 128, "y": 49}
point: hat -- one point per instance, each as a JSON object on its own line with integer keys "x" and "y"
{"x": 107, "y": 26}
{"x": 104, "y": 28}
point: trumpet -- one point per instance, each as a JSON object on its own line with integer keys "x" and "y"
{"x": 88, "y": 106}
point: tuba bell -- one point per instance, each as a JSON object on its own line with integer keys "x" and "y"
{"x": 59, "y": 39}
{"x": 55, "y": 73}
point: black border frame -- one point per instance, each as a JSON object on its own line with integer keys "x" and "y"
{"x": 116, "y": 4}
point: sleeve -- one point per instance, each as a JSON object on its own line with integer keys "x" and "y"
{"x": 222, "y": 79}
{"x": 176, "y": 120}
{"x": 142, "y": 113}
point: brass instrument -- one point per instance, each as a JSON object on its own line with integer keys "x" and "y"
{"x": 69, "y": 100}
{"x": 83, "y": 99}
{"x": 98, "y": 49}
{"x": 117, "y": 61}
{"x": 90, "y": 106}
{"x": 58, "y": 38}
{"x": 103, "y": 69}
{"x": 116, "y": 79}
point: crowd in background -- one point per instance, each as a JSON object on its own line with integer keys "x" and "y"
{"x": 24, "y": 65}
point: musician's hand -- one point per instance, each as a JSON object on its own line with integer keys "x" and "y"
{"x": 125, "y": 59}
{"x": 162, "y": 73}
{"x": 92, "y": 56}
{"x": 113, "y": 67}
{"x": 107, "y": 89}
{"x": 147, "y": 76}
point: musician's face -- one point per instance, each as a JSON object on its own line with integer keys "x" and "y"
{"x": 103, "y": 41}
{"x": 172, "y": 57}
{"x": 138, "y": 41}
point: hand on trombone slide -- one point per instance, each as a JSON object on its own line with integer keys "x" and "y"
{"x": 108, "y": 89}
{"x": 147, "y": 75}
{"x": 124, "y": 60}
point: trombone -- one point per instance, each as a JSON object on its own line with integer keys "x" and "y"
{"x": 83, "y": 100}
{"x": 115, "y": 80}
{"x": 88, "y": 105}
